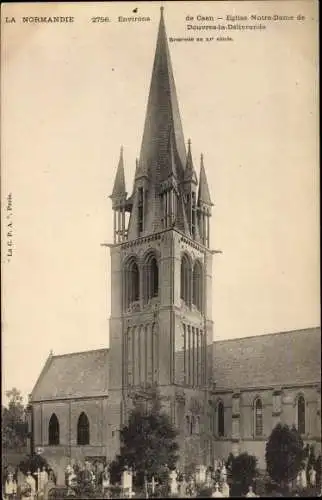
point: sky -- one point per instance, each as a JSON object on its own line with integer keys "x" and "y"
{"x": 73, "y": 93}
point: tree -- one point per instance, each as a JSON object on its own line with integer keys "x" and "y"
{"x": 243, "y": 472}
{"x": 148, "y": 441}
{"x": 32, "y": 463}
{"x": 14, "y": 426}
{"x": 284, "y": 454}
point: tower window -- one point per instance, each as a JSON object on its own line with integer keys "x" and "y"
{"x": 221, "y": 419}
{"x": 154, "y": 278}
{"x": 197, "y": 285}
{"x": 132, "y": 282}
{"x": 185, "y": 281}
{"x": 83, "y": 430}
{"x": 140, "y": 211}
{"x": 258, "y": 410}
{"x": 300, "y": 410}
{"x": 53, "y": 430}
{"x": 151, "y": 278}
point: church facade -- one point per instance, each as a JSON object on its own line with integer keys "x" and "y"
{"x": 222, "y": 396}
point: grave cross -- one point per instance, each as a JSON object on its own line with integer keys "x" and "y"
{"x": 154, "y": 483}
{"x": 38, "y": 473}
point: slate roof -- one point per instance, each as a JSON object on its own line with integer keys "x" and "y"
{"x": 203, "y": 193}
{"x": 119, "y": 182}
{"x": 75, "y": 375}
{"x": 272, "y": 360}
{"x": 275, "y": 360}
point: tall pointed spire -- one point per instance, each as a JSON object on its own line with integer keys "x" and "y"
{"x": 119, "y": 182}
{"x": 190, "y": 173}
{"x": 204, "y": 193}
{"x": 162, "y": 114}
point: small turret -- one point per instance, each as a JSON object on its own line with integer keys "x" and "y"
{"x": 204, "y": 205}
{"x": 118, "y": 198}
{"x": 190, "y": 173}
{"x": 190, "y": 183}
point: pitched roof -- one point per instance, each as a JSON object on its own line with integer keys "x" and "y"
{"x": 276, "y": 359}
{"x": 119, "y": 182}
{"x": 75, "y": 375}
{"x": 203, "y": 193}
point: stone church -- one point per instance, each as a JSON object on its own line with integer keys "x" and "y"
{"x": 223, "y": 396}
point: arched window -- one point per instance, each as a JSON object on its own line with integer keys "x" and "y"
{"x": 154, "y": 278}
{"x": 197, "y": 285}
{"x": 185, "y": 282}
{"x": 151, "y": 278}
{"x": 53, "y": 430}
{"x": 258, "y": 417}
{"x": 221, "y": 419}
{"x": 132, "y": 282}
{"x": 83, "y": 430}
{"x": 300, "y": 410}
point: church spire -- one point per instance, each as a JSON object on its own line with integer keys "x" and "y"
{"x": 119, "y": 192}
{"x": 162, "y": 114}
{"x": 204, "y": 193}
{"x": 190, "y": 173}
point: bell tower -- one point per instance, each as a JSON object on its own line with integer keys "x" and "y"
{"x": 161, "y": 329}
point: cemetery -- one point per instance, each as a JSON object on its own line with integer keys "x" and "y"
{"x": 147, "y": 467}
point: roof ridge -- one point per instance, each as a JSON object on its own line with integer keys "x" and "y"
{"x": 43, "y": 372}
{"x": 87, "y": 351}
{"x": 268, "y": 334}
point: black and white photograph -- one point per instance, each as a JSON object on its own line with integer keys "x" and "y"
{"x": 160, "y": 250}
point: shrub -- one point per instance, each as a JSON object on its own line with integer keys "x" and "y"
{"x": 243, "y": 473}
{"x": 149, "y": 440}
{"x": 204, "y": 492}
{"x": 32, "y": 463}
{"x": 284, "y": 454}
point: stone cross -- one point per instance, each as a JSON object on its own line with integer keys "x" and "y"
{"x": 38, "y": 474}
{"x": 154, "y": 483}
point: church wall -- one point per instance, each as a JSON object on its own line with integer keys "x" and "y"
{"x": 166, "y": 265}
{"x": 113, "y": 424}
{"x": 222, "y": 448}
{"x": 165, "y": 354}
{"x": 61, "y": 409}
{"x": 68, "y": 413}
{"x": 312, "y": 418}
{"x": 97, "y": 420}
{"x": 279, "y": 405}
{"x": 115, "y": 355}
{"x": 115, "y": 324}
{"x": 37, "y": 424}
{"x": 255, "y": 447}
{"x": 208, "y": 286}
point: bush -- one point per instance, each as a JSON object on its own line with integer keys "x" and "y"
{"x": 243, "y": 473}
{"x": 32, "y": 463}
{"x": 263, "y": 484}
{"x": 204, "y": 492}
{"x": 148, "y": 441}
{"x": 284, "y": 454}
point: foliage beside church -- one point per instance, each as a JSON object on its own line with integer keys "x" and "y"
{"x": 14, "y": 428}
{"x": 148, "y": 442}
